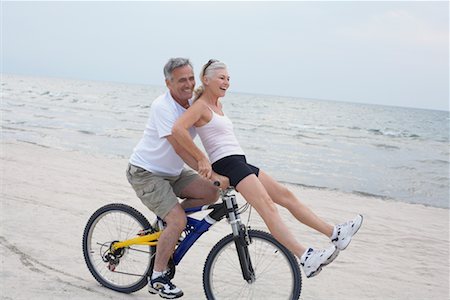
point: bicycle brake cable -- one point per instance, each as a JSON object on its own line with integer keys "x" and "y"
{"x": 249, "y": 214}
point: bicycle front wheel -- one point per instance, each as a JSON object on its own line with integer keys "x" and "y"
{"x": 124, "y": 270}
{"x": 277, "y": 273}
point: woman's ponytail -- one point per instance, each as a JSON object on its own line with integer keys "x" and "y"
{"x": 198, "y": 92}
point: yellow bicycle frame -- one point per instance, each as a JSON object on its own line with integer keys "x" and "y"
{"x": 148, "y": 239}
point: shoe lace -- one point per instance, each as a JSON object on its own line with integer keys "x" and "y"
{"x": 343, "y": 225}
{"x": 167, "y": 281}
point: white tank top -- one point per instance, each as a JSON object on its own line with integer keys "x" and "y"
{"x": 218, "y": 138}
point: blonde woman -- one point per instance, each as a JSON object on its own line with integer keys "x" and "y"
{"x": 226, "y": 157}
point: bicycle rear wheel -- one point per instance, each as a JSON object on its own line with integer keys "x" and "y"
{"x": 125, "y": 270}
{"x": 277, "y": 273}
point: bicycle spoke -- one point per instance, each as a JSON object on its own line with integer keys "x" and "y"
{"x": 126, "y": 269}
{"x": 223, "y": 275}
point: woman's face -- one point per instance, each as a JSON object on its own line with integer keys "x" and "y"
{"x": 218, "y": 82}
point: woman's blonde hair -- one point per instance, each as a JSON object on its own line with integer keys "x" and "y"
{"x": 208, "y": 69}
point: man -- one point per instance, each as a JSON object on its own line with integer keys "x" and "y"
{"x": 157, "y": 174}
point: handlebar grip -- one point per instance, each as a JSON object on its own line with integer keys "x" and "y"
{"x": 216, "y": 183}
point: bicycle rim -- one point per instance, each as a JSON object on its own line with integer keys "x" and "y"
{"x": 117, "y": 225}
{"x": 276, "y": 271}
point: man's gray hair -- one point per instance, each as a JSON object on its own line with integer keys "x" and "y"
{"x": 174, "y": 63}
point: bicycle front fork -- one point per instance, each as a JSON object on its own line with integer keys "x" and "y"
{"x": 241, "y": 238}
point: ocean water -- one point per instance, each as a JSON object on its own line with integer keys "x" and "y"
{"x": 399, "y": 154}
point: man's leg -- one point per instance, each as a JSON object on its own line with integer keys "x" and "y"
{"x": 175, "y": 224}
{"x": 157, "y": 194}
{"x": 197, "y": 190}
{"x": 159, "y": 283}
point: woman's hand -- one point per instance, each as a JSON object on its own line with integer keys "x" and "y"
{"x": 204, "y": 168}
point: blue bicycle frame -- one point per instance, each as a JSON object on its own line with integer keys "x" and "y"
{"x": 195, "y": 228}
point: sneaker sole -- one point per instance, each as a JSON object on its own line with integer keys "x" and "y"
{"x": 360, "y": 224}
{"x": 165, "y": 296}
{"x": 327, "y": 262}
{"x": 315, "y": 273}
{"x": 331, "y": 258}
{"x": 170, "y": 296}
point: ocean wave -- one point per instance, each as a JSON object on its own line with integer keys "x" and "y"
{"x": 301, "y": 136}
{"x": 134, "y": 130}
{"x": 114, "y": 136}
{"x": 409, "y": 168}
{"x": 15, "y": 104}
{"x": 34, "y": 143}
{"x": 435, "y": 161}
{"x": 387, "y": 147}
{"x": 15, "y": 122}
{"x": 87, "y": 132}
{"x": 43, "y": 117}
{"x": 393, "y": 133}
{"x": 359, "y": 193}
{"x": 371, "y": 195}
{"x": 14, "y": 129}
{"x": 313, "y": 127}
{"x": 308, "y": 186}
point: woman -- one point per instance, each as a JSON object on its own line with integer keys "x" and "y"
{"x": 256, "y": 186}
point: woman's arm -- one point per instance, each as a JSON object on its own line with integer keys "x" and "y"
{"x": 186, "y": 156}
{"x": 180, "y": 131}
{"x": 191, "y": 162}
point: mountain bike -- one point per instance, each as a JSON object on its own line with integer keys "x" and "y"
{"x": 119, "y": 245}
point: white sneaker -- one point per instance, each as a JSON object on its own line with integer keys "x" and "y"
{"x": 342, "y": 234}
{"x": 312, "y": 260}
{"x": 164, "y": 287}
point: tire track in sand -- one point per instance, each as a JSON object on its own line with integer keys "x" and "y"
{"x": 30, "y": 262}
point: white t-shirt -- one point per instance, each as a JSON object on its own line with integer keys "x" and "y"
{"x": 154, "y": 153}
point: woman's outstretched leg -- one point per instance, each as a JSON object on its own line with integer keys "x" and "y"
{"x": 284, "y": 197}
{"x": 311, "y": 260}
{"x": 340, "y": 234}
{"x": 253, "y": 191}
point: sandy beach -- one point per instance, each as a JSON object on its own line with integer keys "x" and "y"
{"x": 47, "y": 196}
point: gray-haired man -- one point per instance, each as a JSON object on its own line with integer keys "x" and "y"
{"x": 157, "y": 174}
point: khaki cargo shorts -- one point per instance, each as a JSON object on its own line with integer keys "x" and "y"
{"x": 158, "y": 193}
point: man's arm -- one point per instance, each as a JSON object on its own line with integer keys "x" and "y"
{"x": 185, "y": 155}
{"x": 192, "y": 162}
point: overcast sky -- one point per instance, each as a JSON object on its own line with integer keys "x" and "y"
{"x": 392, "y": 53}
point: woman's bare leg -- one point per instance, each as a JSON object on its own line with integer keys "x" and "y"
{"x": 284, "y": 197}
{"x": 254, "y": 192}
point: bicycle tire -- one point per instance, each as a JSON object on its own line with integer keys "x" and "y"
{"x": 222, "y": 274}
{"x": 115, "y": 222}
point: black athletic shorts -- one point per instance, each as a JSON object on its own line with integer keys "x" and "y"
{"x": 235, "y": 167}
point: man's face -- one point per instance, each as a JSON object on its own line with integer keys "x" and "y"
{"x": 182, "y": 84}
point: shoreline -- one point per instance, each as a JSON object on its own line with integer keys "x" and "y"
{"x": 400, "y": 252}
{"x": 300, "y": 185}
